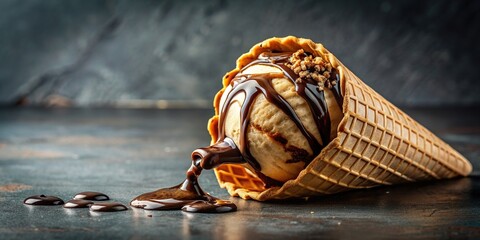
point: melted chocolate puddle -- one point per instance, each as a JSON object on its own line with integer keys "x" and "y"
{"x": 188, "y": 195}
{"x": 43, "y": 200}
{"x": 77, "y": 203}
{"x": 108, "y": 207}
{"x": 93, "y": 196}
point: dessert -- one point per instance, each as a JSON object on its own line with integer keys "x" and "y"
{"x": 305, "y": 125}
{"x": 292, "y": 121}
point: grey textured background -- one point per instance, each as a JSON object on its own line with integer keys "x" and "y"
{"x": 89, "y": 53}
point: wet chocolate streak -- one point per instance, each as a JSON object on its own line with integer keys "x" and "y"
{"x": 188, "y": 195}
{"x": 93, "y": 196}
{"x": 108, "y": 207}
{"x": 43, "y": 200}
{"x": 74, "y": 203}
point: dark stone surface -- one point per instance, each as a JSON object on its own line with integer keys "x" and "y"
{"x": 123, "y": 153}
{"x": 109, "y": 52}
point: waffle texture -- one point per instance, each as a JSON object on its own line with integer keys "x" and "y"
{"x": 376, "y": 143}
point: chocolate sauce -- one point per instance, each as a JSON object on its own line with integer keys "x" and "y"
{"x": 93, "y": 196}
{"x": 189, "y": 196}
{"x": 43, "y": 200}
{"x": 78, "y": 203}
{"x": 108, "y": 207}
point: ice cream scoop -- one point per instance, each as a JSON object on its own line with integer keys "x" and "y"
{"x": 278, "y": 110}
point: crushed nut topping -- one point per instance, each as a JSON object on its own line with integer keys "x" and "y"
{"x": 310, "y": 69}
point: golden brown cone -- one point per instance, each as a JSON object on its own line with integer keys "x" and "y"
{"x": 376, "y": 144}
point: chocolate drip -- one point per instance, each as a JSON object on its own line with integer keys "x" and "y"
{"x": 43, "y": 200}
{"x": 188, "y": 195}
{"x": 336, "y": 89}
{"x": 222, "y": 152}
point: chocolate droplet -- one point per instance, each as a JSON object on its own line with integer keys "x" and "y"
{"x": 215, "y": 206}
{"x": 77, "y": 203}
{"x": 43, "y": 200}
{"x": 108, "y": 207}
{"x": 93, "y": 196}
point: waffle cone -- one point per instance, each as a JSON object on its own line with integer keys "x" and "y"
{"x": 376, "y": 143}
